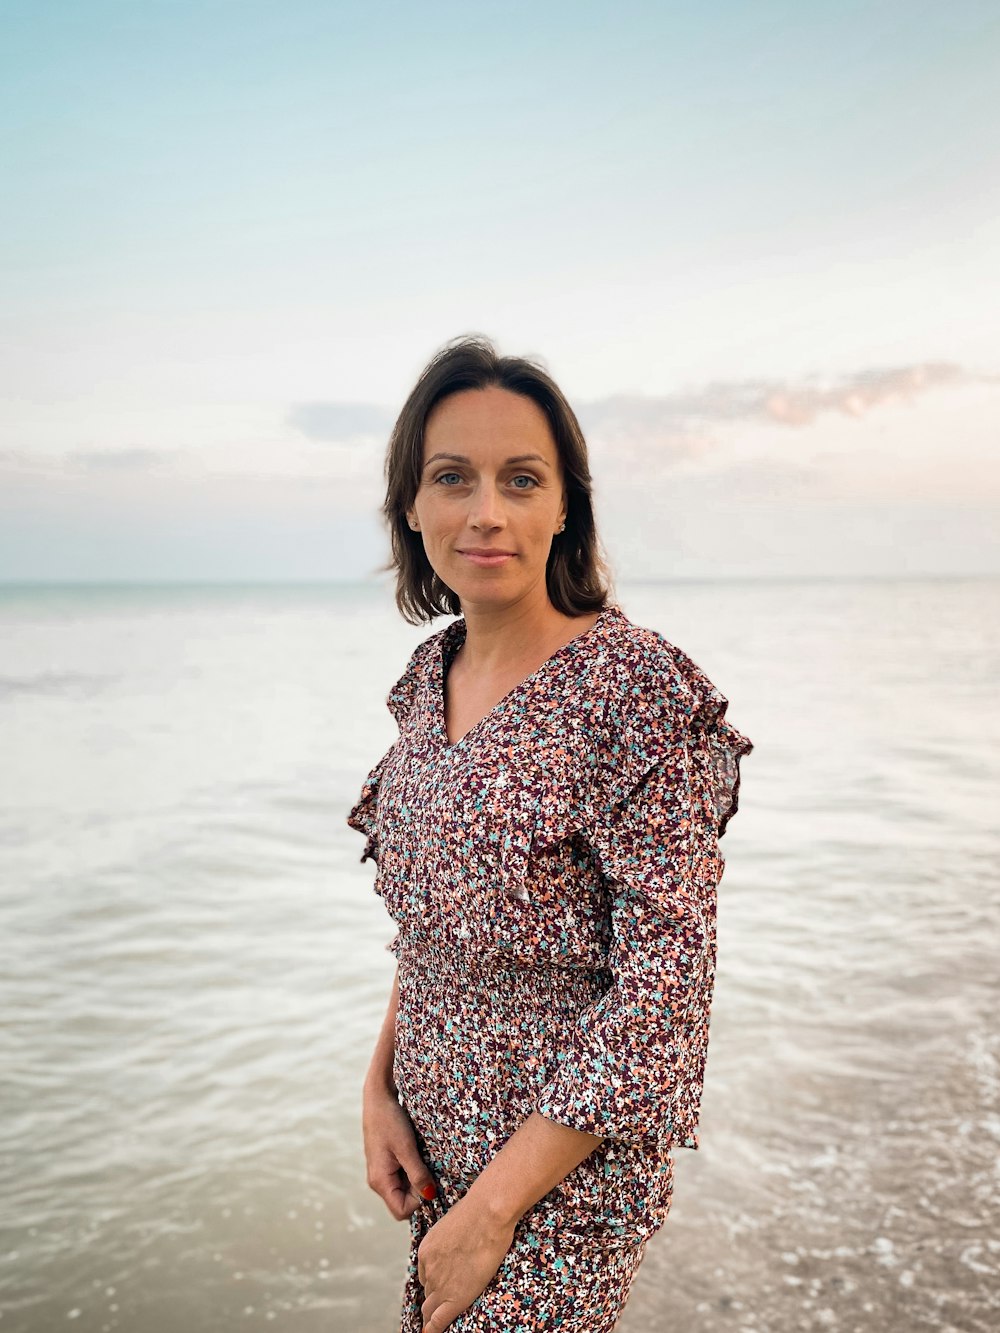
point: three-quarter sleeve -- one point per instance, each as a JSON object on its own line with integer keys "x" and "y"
{"x": 667, "y": 785}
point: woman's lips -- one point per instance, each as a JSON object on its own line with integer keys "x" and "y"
{"x": 500, "y": 558}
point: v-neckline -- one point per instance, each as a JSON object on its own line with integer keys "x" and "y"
{"x": 452, "y": 639}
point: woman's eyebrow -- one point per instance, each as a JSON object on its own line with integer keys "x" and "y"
{"x": 461, "y": 458}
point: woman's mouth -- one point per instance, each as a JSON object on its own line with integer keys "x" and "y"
{"x": 488, "y": 558}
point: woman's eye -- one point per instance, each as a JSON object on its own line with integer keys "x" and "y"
{"x": 448, "y": 479}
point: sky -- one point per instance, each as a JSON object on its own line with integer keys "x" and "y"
{"x": 757, "y": 245}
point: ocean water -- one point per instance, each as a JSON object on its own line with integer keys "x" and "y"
{"x": 194, "y": 967}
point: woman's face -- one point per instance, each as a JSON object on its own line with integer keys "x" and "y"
{"x": 491, "y": 482}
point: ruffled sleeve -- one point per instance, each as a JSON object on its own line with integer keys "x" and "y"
{"x": 666, "y": 786}
{"x": 363, "y": 814}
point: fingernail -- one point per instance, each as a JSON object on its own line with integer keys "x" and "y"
{"x": 429, "y": 1192}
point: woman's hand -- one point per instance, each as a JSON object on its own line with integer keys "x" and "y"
{"x": 396, "y": 1171}
{"x": 456, "y": 1261}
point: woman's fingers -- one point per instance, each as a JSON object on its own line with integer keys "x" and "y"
{"x": 387, "y": 1180}
{"x": 396, "y": 1171}
{"x": 402, "y": 1189}
{"x": 456, "y": 1261}
{"x": 422, "y": 1183}
{"x": 438, "y": 1315}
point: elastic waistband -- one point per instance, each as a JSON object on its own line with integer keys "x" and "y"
{"x": 431, "y": 959}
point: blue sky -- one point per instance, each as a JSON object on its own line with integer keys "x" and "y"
{"x": 758, "y": 245}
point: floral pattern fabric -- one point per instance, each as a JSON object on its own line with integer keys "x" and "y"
{"x": 552, "y": 876}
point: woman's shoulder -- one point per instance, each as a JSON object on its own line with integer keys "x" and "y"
{"x": 648, "y": 673}
{"x": 661, "y": 705}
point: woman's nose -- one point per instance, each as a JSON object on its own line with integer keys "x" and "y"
{"x": 486, "y": 508}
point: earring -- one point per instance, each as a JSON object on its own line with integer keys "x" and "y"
{"x": 561, "y": 526}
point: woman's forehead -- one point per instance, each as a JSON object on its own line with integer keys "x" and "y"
{"x": 481, "y": 424}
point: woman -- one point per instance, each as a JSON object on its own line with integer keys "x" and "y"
{"x": 545, "y": 831}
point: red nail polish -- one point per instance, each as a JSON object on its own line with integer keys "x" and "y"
{"x": 429, "y": 1192}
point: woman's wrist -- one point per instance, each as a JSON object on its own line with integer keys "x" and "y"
{"x": 500, "y": 1206}
{"x": 379, "y": 1079}
{"x": 379, "y": 1082}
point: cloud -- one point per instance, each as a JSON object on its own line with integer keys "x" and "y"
{"x": 681, "y": 425}
{"x": 120, "y": 460}
{"x": 86, "y": 462}
{"x": 14, "y": 460}
{"x": 856, "y": 394}
{"x": 341, "y": 421}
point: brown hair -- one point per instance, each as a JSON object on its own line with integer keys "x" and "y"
{"x": 576, "y": 575}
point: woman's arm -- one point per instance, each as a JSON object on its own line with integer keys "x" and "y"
{"x": 396, "y": 1171}
{"x": 533, "y": 1161}
{"x": 379, "y": 1077}
{"x": 462, "y": 1252}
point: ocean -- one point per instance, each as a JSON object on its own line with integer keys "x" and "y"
{"x": 194, "y": 962}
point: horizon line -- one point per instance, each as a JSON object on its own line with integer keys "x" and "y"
{"x": 984, "y": 575}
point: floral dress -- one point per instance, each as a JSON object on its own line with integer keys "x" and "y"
{"x": 552, "y": 876}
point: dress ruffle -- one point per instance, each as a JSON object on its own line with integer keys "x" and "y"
{"x": 362, "y": 815}
{"x": 667, "y": 706}
{"x": 399, "y": 701}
